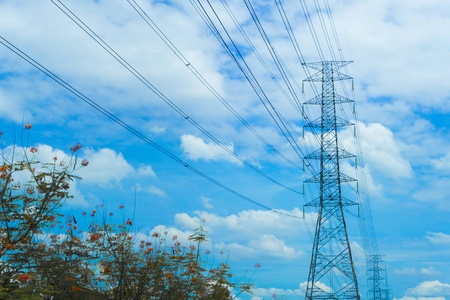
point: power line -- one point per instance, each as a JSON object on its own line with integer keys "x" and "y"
{"x": 129, "y": 128}
{"x": 245, "y": 69}
{"x": 197, "y": 74}
{"x": 150, "y": 86}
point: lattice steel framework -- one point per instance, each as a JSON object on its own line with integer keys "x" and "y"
{"x": 332, "y": 273}
{"x": 377, "y": 279}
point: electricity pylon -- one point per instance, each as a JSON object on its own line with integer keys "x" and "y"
{"x": 332, "y": 273}
{"x": 377, "y": 279}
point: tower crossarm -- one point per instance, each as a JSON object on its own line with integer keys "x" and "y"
{"x": 317, "y": 100}
{"x": 342, "y": 154}
{"x": 328, "y": 123}
{"x": 319, "y": 77}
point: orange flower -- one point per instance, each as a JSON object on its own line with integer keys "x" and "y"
{"x": 129, "y": 222}
{"x": 33, "y": 150}
{"x": 9, "y": 246}
{"x": 28, "y": 126}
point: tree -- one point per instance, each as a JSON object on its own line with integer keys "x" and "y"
{"x": 46, "y": 255}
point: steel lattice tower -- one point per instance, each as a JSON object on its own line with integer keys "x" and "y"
{"x": 377, "y": 279}
{"x": 331, "y": 261}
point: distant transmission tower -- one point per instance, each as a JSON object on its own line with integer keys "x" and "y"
{"x": 377, "y": 279}
{"x": 332, "y": 273}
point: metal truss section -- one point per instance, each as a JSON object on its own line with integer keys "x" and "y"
{"x": 332, "y": 273}
{"x": 377, "y": 279}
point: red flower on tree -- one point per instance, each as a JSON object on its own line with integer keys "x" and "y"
{"x": 28, "y": 126}
{"x": 24, "y": 277}
{"x": 77, "y": 147}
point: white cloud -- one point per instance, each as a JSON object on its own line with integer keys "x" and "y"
{"x": 268, "y": 244}
{"x": 435, "y": 192}
{"x": 430, "y": 288}
{"x": 196, "y": 148}
{"x": 269, "y": 292}
{"x": 206, "y": 202}
{"x": 155, "y": 191}
{"x": 262, "y": 246}
{"x": 248, "y": 223}
{"x": 430, "y": 271}
{"x": 438, "y": 238}
{"x": 105, "y": 166}
{"x": 442, "y": 163}
{"x": 146, "y": 170}
{"x": 380, "y": 149}
{"x": 251, "y": 233}
{"x": 158, "y": 130}
{"x": 382, "y": 34}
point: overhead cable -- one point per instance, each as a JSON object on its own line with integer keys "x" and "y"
{"x": 129, "y": 128}
{"x": 150, "y": 86}
{"x": 237, "y": 57}
{"x": 199, "y": 76}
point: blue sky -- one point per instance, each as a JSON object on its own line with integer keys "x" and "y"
{"x": 399, "y": 49}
